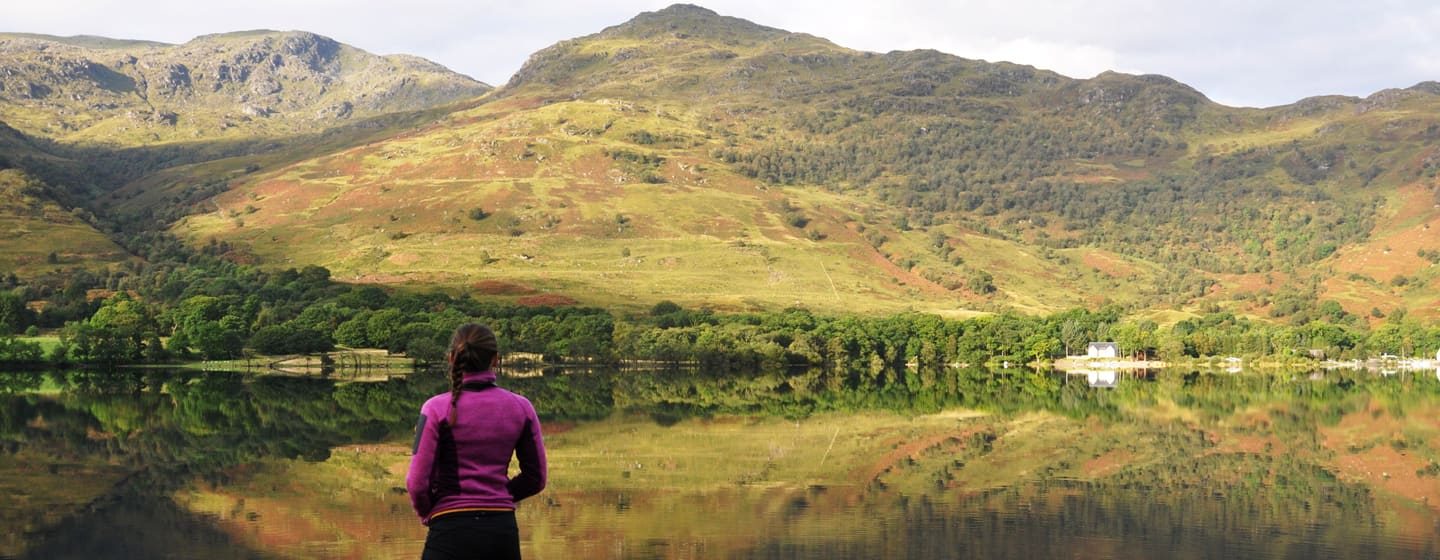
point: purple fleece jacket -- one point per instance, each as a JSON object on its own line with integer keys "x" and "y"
{"x": 466, "y": 465}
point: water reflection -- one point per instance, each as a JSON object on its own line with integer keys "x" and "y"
{"x": 1098, "y": 378}
{"x": 799, "y": 464}
{"x": 1066, "y": 520}
{"x": 81, "y": 448}
{"x": 140, "y": 526}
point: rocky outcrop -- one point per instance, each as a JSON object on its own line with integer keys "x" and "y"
{"x": 61, "y": 87}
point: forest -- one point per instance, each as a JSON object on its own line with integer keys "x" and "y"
{"x": 197, "y": 306}
{"x": 1016, "y": 174}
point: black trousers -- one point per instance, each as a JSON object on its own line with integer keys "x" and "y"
{"x": 473, "y": 535}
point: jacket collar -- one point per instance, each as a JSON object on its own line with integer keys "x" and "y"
{"x": 487, "y": 376}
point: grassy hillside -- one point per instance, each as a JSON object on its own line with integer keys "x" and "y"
{"x": 579, "y": 199}
{"x": 90, "y": 114}
{"x": 40, "y": 236}
{"x": 709, "y": 160}
{"x": 120, "y": 111}
{"x": 689, "y": 156}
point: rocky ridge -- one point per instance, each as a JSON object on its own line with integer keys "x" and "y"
{"x": 110, "y": 91}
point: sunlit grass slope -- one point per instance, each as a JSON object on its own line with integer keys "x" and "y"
{"x": 38, "y": 235}
{"x": 580, "y": 199}
{"x": 689, "y": 156}
{"x": 709, "y": 160}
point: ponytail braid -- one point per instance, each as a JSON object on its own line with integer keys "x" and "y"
{"x": 472, "y": 349}
{"x": 456, "y": 380}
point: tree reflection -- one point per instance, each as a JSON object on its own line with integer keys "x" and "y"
{"x": 168, "y": 429}
{"x": 203, "y": 421}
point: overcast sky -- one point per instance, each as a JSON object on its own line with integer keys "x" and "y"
{"x": 1238, "y": 52}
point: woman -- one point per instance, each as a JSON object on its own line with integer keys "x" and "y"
{"x": 458, "y": 479}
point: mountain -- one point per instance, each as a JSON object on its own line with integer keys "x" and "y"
{"x": 90, "y": 90}
{"x": 80, "y": 116}
{"x": 709, "y": 160}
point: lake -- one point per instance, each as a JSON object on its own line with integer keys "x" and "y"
{"x": 803, "y": 464}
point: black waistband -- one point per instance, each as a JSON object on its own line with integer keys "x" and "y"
{"x": 471, "y": 514}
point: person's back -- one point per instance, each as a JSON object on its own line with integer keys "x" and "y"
{"x": 471, "y": 458}
{"x": 458, "y": 480}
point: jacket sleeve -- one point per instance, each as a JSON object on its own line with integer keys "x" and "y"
{"x": 417, "y": 480}
{"x": 530, "y": 451}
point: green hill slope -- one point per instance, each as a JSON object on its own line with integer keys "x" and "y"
{"x": 90, "y": 114}
{"x": 622, "y": 199}
{"x": 1116, "y": 161}
{"x": 38, "y": 233}
{"x": 40, "y": 236}
{"x": 709, "y": 160}
{"x": 691, "y": 156}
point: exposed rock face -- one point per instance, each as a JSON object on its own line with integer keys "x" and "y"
{"x": 298, "y": 81}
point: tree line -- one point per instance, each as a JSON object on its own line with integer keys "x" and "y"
{"x": 208, "y": 308}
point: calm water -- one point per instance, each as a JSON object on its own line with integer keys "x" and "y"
{"x": 953, "y": 464}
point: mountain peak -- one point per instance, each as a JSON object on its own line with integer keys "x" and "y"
{"x": 669, "y": 33}
{"x": 244, "y": 33}
{"x": 689, "y": 20}
{"x": 686, "y": 10}
{"x": 1430, "y": 87}
{"x": 294, "y": 40}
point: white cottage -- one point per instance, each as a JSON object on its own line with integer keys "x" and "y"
{"x": 1102, "y": 350}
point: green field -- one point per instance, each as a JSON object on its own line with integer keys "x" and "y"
{"x": 47, "y": 343}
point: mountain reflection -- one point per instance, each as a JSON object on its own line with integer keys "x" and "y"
{"x": 1151, "y": 460}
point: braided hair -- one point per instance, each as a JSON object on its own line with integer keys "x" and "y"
{"x": 472, "y": 348}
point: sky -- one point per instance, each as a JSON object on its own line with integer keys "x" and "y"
{"x": 1256, "y": 53}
